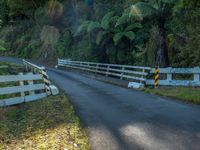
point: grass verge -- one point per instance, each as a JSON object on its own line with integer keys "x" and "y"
{"x": 49, "y": 124}
{"x": 10, "y": 69}
{"x": 187, "y": 94}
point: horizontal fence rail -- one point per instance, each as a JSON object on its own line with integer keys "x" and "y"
{"x": 136, "y": 73}
{"x": 145, "y": 75}
{"x": 22, "y": 88}
{"x": 177, "y": 77}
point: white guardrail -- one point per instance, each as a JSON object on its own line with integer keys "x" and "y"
{"x": 122, "y": 71}
{"x": 185, "y": 77}
{"x": 33, "y": 85}
{"x": 41, "y": 70}
{"x": 137, "y": 74}
{"x": 25, "y": 91}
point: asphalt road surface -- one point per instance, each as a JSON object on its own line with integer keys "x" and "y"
{"x": 117, "y": 118}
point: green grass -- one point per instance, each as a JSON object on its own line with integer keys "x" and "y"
{"x": 10, "y": 69}
{"x": 187, "y": 94}
{"x": 49, "y": 124}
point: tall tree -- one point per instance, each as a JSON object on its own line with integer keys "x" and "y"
{"x": 159, "y": 11}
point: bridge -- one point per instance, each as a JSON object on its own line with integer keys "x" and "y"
{"x": 118, "y": 118}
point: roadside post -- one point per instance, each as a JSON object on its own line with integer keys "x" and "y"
{"x": 156, "y": 80}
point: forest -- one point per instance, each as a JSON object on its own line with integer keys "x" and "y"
{"x": 133, "y": 32}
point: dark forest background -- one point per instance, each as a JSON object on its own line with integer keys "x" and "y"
{"x": 134, "y": 32}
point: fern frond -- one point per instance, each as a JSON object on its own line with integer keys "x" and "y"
{"x": 117, "y": 37}
{"x": 92, "y": 26}
{"x": 133, "y": 26}
{"x": 130, "y": 35}
{"x": 122, "y": 20}
{"x": 100, "y": 37}
{"x": 106, "y": 20}
{"x": 83, "y": 27}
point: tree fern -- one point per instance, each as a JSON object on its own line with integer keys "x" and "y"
{"x": 100, "y": 36}
{"x": 93, "y": 25}
{"x": 117, "y": 37}
{"x": 106, "y": 20}
{"x": 142, "y": 9}
{"x": 130, "y": 35}
{"x": 83, "y": 27}
{"x": 133, "y": 26}
{"x": 123, "y": 19}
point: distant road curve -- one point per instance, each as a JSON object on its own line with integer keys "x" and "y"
{"x": 117, "y": 118}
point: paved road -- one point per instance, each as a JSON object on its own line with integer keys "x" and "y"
{"x": 121, "y": 119}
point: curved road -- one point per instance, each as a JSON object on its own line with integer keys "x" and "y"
{"x": 116, "y": 118}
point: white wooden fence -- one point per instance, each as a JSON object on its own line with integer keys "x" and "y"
{"x": 30, "y": 87}
{"x": 137, "y": 73}
{"x": 41, "y": 70}
{"x": 193, "y": 78}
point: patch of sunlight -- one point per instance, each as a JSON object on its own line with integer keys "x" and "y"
{"x": 144, "y": 136}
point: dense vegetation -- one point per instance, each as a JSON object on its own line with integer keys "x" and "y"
{"x": 136, "y": 32}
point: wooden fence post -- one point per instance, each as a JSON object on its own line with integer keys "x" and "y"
{"x": 196, "y": 75}
{"x": 107, "y": 70}
{"x": 169, "y": 75}
{"x": 30, "y": 82}
{"x": 121, "y": 76}
{"x": 97, "y": 66}
{"x": 21, "y": 83}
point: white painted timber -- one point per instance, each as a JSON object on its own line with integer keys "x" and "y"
{"x": 12, "y": 78}
{"x": 35, "y": 97}
{"x": 122, "y": 71}
{"x": 17, "y": 89}
{"x": 136, "y": 73}
{"x": 11, "y": 101}
{"x": 19, "y": 100}
{"x": 174, "y": 82}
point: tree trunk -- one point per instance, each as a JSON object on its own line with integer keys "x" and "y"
{"x": 162, "y": 51}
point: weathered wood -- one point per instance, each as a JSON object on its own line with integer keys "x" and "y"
{"x": 30, "y": 82}
{"x": 35, "y": 97}
{"x": 108, "y": 69}
{"x": 178, "y": 70}
{"x": 138, "y": 73}
{"x": 109, "y": 73}
{"x": 21, "y": 83}
{"x": 21, "y": 77}
{"x": 11, "y": 101}
{"x": 63, "y": 62}
{"x": 18, "y": 89}
{"x": 19, "y": 100}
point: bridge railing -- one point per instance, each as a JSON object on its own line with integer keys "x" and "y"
{"x": 177, "y": 76}
{"x": 146, "y": 75}
{"x": 135, "y": 73}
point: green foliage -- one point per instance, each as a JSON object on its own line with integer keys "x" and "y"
{"x": 92, "y": 26}
{"x": 2, "y": 46}
{"x": 105, "y": 22}
{"x": 142, "y": 10}
{"x": 117, "y": 31}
